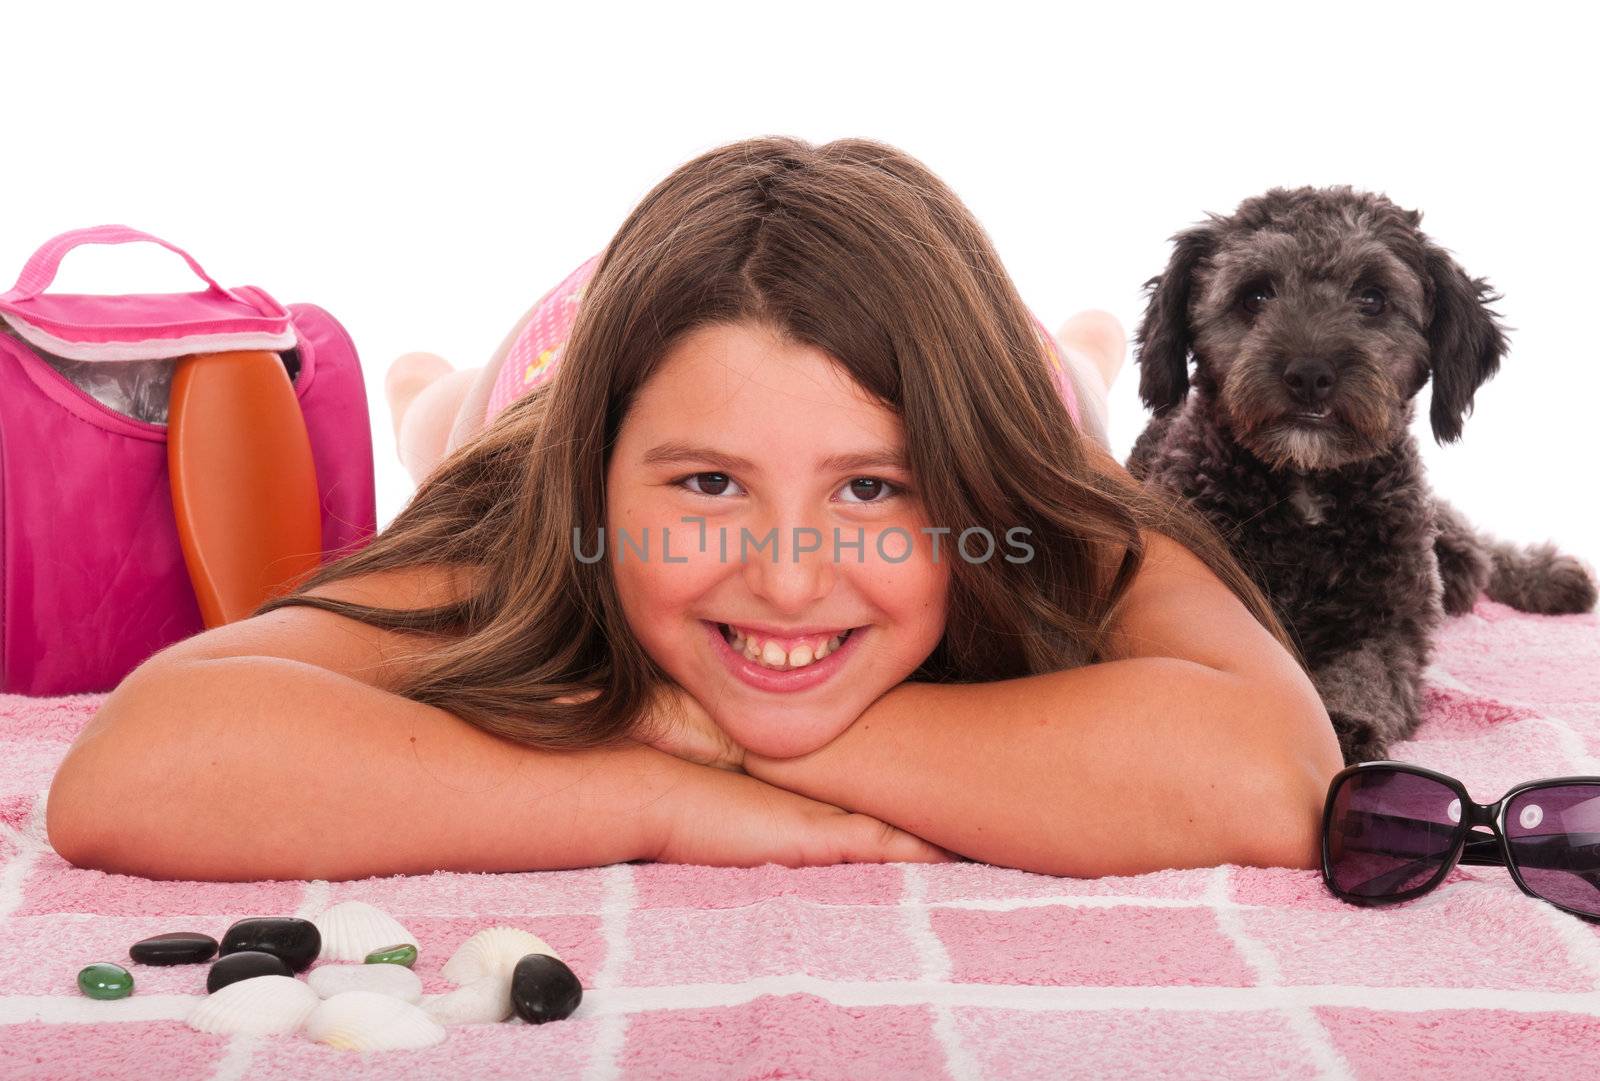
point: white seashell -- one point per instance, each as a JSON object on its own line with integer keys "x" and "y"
{"x": 353, "y": 929}
{"x": 486, "y": 999}
{"x": 262, "y": 1004}
{"x": 368, "y": 1021}
{"x": 490, "y": 952}
{"x": 397, "y": 981}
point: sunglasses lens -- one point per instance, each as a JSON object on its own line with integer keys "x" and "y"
{"x": 1554, "y": 837}
{"x": 1390, "y": 831}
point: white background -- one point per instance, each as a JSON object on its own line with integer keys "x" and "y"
{"x": 426, "y": 171}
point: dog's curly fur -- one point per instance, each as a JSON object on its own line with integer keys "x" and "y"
{"x": 1333, "y": 299}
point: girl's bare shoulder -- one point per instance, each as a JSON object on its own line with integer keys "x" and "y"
{"x": 425, "y": 585}
{"x": 1176, "y": 606}
{"x": 329, "y": 640}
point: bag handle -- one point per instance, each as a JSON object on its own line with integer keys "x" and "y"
{"x": 40, "y": 270}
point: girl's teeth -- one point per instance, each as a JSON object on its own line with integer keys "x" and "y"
{"x": 771, "y": 655}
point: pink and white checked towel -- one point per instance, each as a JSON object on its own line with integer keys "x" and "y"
{"x": 891, "y": 971}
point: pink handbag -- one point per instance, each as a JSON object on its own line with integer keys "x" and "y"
{"x": 93, "y": 580}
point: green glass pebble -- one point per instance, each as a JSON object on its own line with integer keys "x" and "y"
{"x": 403, "y": 954}
{"x": 106, "y": 981}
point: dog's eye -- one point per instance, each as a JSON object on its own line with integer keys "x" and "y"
{"x": 1255, "y": 298}
{"x": 1371, "y": 301}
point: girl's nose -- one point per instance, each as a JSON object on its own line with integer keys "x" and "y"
{"x": 792, "y": 568}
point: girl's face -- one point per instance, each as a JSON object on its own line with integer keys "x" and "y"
{"x": 773, "y": 452}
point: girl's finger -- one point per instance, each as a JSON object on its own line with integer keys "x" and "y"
{"x": 874, "y": 841}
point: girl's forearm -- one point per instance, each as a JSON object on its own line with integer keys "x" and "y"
{"x": 1121, "y": 767}
{"x": 262, "y": 767}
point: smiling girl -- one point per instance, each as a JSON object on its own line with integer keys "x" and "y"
{"x": 872, "y": 588}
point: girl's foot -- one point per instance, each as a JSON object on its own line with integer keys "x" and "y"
{"x": 1099, "y": 336}
{"x": 406, "y": 378}
{"x": 425, "y": 396}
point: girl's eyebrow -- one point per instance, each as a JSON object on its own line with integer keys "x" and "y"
{"x": 676, "y": 450}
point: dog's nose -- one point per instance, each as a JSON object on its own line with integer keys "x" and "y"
{"x": 1309, "y": 380}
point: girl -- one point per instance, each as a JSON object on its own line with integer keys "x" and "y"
{"x": 435, "y": 409}
{"x": 813, "y": 552}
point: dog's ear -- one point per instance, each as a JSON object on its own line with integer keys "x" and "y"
{"x": 1465, "y": 340}
{"x": 1164, "y": 336}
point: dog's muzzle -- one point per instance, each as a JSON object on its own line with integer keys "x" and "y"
{"x": 1310, "y": 381}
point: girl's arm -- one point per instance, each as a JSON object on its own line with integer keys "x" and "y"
{"x": 246, "y": 768}
{"x": 1200, "y": 742}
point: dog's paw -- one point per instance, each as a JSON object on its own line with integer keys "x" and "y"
{"x": 1465, "y": 571}
{"x": 1562, "y": 585}
{"x": 1572, "y": 586}
{"x": 1461, "y": 592}
{"x": 1358, "y": 740}
{"x": 1542, "y": 580}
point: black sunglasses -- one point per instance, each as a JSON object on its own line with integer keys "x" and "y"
{"x": 1392, "y": 831}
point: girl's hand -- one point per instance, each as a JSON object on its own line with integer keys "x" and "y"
{"x": 725, "y": 819}
{"x": 677, "y": 724}
{"x": 680, "y": 726}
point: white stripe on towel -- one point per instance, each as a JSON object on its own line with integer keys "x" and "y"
{"x": 618, "y": 902}
{"x": 15, "y": 872}
{"x": 935, "y": 969}
{"x": 1319, "y": 1048}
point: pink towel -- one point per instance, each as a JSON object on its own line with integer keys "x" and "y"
{"x": 885, "y": 971}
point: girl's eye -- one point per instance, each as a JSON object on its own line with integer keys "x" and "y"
{"x": 867, "y": 490}
{"x": 871, "y": 488}
{"x": 719, "y": 485}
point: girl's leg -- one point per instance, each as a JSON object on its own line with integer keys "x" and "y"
{"x": 1094, "y": 344}
{"x": 469, "y": 420}
{"x": 425, "y": 395}
{"x": 435, "y": 408}
{"x": 1100, "y": 336}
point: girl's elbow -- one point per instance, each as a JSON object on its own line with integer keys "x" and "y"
{"x": 1273, "y": 822}
{"x": 1299, "y": 842}
{"x": 85, "y": 819}
{"x": 1303, "y": 780}
{"x": 63, "y": 826}
{"x": 1296, "y": 755}
{"x": 98, "y": 799}
{"x": 79, "y": 820}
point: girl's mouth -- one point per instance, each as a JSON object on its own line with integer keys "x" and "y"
{"x": 772, "y": 669}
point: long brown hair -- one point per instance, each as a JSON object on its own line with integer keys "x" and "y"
{"x": 854, "y": 248}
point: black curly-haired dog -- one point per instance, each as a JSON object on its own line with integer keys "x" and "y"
{"x": 1314, "y": 316}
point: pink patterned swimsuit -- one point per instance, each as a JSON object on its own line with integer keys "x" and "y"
{"x": 536, "y": 352}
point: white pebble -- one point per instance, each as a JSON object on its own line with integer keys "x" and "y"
{"x": 485, "y": 1000}
{"x": 396, "y": 981}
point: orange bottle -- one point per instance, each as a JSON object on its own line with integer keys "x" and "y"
{"x": 244, "y": 483}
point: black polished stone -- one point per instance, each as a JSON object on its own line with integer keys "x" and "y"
{"x": 244, "y": 965}
{"x": 296, "y": 941}
{"x": 544, "y": 989}
{"x": 173, "y": 948}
